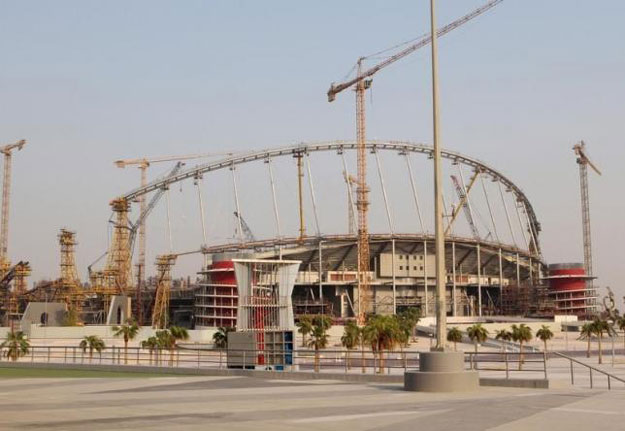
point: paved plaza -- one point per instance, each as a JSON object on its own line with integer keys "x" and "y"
{"x": 244, "y": 403}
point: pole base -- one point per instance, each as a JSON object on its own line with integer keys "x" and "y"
{"x": 441, "y": 372}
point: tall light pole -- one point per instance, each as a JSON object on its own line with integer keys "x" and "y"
{"x": 439, "y": 233}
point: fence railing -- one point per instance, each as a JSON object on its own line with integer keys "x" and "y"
{"x": 504, "y": 364}
{"x": 590, "y": 369}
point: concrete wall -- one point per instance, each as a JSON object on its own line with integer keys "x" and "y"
{"x": 37, "y": 333}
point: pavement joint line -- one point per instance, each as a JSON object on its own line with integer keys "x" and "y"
{"x": 587, "y": 411}
{"x": 336, "y": 418}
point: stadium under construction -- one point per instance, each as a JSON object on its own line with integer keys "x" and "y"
{"x": 489, "y": 272}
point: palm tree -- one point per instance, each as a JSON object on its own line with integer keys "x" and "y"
{"x": 92, "y": 342}
{"x": 503, "y": 335}
{"x": 383, "y": 333}
{"x": 521, "y": 334}
{"x": 454, "y": 335}
{"x": 305, "y": 327}
{"x": 151, "y": 344}
{"x": 129, "y": 331}
{"x": 17, "y": 345}
{"x": 586, "y": 333}
{"x": 544, "y": 334}
{"x": 166, "y": 341}
{"x": 478, "y": 334}
{"x": 621, "y": 325}
{"x": 318, "y": 340}
{"x": 408, "y": 320}
{"x": 350, "y": 339}
{"x": 599, "y": 326}
{"x": 178, "y": 333}
{"x": 220, "y": 338}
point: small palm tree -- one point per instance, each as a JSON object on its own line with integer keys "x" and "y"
{"x": 304, "y": 327}
{"x": 621, "y": 325}
{"x": 178, "y": 333}
{"x": 382, "y": 333}
{"x": 220, "y": 338}
{"x": 92, "y": 342}
{"x": 166, "y": 341}
{"x": 350, "y": 339}
{"x": 599, "y": 326}
{"x": 478, "y": 334}
{"x": 544, "y": 334}
{"x": 586, "y": 333}
{"x": 318, "y": 340}
{"x": 151, "y": 344}
{"x": 17, "y": 345}
{"x": 129, "y": 331}
{"x": 454, "y": 335}
{"x": 521, "y": 334}
{"x": 503, "y": 335}
{"x": 408, "y": 320}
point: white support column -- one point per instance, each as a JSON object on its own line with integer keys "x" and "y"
{"x": 500, "y": 278}
{"x": 453, "y": 274}
{"x": 320, "y": 277}
{"x": 393, "y": 274}
{"x": 479, "y": 280}
{"x": 425, "y": 277}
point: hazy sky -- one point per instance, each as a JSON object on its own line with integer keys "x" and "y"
{"x": 88, "y": 82}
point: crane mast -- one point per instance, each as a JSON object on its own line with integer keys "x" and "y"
{"x": 6, "y": 195}
{"x": 362, "y": 200}
{"x": 583, "y": 162}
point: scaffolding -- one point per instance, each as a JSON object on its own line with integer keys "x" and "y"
{"x": 160, "y": 315}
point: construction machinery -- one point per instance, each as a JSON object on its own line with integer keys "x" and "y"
{"x": 464, "y": 204}
{"x": 362, "y": 82}
{"x": 164, "y": 265}
{"x": 583, "y": 161}
{"x": 69, "y": 286}
{"x": 160, "y": 313}
{"x": 247, "y": 232}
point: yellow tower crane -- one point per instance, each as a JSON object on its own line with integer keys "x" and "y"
{"x": 362, "y": 82}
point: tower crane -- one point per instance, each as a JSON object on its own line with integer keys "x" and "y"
{"x": 143, "y": 164}
{"x": 362, "y": 82}
{"x": 6, "y": 194}
{"x": 583, "y": 161}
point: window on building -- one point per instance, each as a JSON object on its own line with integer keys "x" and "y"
{"x": 421, "y": 268}
{"x": 401, "y": 257}
{"x": 414, "y": 267}
{"x": 421, "y": 257}
{"x": 401, "y": 267}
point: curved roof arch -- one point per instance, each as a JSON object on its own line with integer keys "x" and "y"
{"x": 340, "y": 146}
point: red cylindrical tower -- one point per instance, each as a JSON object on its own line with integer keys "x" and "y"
{"x": 570, "y": 289}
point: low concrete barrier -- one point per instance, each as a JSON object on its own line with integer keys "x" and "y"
{"x": 273, "y": 375}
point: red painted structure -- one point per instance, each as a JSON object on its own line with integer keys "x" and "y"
{"x": 570, "y": 289}
{"x": 216, "y": 298}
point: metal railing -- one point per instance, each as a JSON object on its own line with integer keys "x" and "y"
{"x": 590, "y": 368}
{"x": 300, "y": 360}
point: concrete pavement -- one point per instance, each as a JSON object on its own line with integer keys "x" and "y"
{"x": 243, "y": 403}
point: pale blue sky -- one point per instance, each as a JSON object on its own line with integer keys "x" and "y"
{"x": 87, "y": 82}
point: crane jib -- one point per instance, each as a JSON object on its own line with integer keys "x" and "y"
{"x": 337, "y": 88}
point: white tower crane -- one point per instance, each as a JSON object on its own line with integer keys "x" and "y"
{"x": 583, "y": 161}
{"x": 6, "y": 195}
